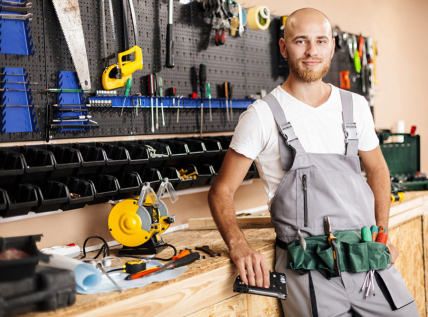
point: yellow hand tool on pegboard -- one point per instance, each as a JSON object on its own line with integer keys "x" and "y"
{"x": 117, "y": 75}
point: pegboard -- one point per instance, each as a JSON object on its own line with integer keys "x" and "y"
{"x": 248, "y": 63}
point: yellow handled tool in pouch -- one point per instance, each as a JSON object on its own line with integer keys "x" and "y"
{"x": 116, "y": 75}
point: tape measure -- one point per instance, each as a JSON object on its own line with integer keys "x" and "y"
{"x": 258, "y": 18}
{"x": 135, "y": 266}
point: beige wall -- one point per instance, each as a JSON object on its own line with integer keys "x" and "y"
{"x": 400, "y": 28}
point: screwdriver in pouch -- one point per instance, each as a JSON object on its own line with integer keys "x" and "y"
{"x": 151, "y": 82}
{"x": 202, "y": 83}
{"x": 160, "y": 94}
{"x": 333, "y": 243}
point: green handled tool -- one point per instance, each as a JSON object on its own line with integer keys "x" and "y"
{"x": 208, "y": 89}
{"x": 127, "y": 89}
{"x": 333, "y": 243}
{"x": 160, "y": 94}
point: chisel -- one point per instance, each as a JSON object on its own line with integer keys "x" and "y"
{"x": 192, "y": 257}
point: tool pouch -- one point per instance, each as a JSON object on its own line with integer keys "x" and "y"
{"x": 354, "y": 254}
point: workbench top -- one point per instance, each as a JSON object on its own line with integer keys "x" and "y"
{"x": 206, "y": 282}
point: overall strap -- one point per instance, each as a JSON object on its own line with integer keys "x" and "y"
{"x": 349, "y": 126}
{"x": 284, "y": 127}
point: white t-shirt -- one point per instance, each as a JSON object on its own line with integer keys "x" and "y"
{"x": 320, "y": 130}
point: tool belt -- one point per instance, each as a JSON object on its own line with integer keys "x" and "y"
{"x": 354, "y": 255}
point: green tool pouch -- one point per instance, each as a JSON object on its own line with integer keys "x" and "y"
{"x": 354, "y": 255}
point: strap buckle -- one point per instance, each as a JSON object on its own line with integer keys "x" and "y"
{"x": 350, "y": 130}
{"x": 287, "y": 132}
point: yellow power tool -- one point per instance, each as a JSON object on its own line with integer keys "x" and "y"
{"x": 117, "y": 75}
{"x": 138, "y": 223}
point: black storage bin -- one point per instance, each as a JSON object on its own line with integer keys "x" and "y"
{"x": 172, "y": 174}
{"x": 21, "y": 198}
{"x": 76, "y": 186}
{"x": 214, "y": 150}
{"x": 93, "y": 158}
{"x": 215, "y": 173}
{"x": 252, "y": 172}
{"x": 224, "y": 142}
{"x": 196, "y": 148}
{"x": 129, "y": 185}
{"x": 106, "y": 187}
{"x": 51, "y": 196}
{"x": 179, "y": 151}
{"x": 66, "y": 160}
{"x": 3, "y": 201}
{"x": 160, "y": 154}
{"x": 139, "y": 156}
{"x": 48, "y": 289}
{"x": 13, "y": 270}
{"x": 153, "y": 176}
{"x": 186, "y": 183}
{"x": 37, "y": 162}
{"x": 117, "y": 157}
{"x": 205, "y": 175}
{"x": 11, "y": 166}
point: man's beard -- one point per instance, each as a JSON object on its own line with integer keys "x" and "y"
{"x": 309, "y": 75}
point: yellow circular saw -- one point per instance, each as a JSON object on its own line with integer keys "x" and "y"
{"x": 135, "y": 222}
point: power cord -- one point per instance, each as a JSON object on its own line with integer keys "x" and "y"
{"x": 105, "y": 249}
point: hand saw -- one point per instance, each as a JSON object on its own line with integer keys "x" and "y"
{"x": 68, "y": 13}
{"x": 117, "y": 75}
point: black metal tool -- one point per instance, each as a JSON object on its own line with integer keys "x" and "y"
{"x": 333, "y": 242}
{"x": 170, "y": 37}
{"x": 277, "y": 288}
{"x": 208, "y": 251}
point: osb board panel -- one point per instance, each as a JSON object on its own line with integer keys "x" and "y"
{"x": 205, "y": 283}
{"x": 232, "y": 307}
{"x": 408, "y": 239}
{"x": 239, "y": 306}
{"x": 245, "y": 222}
{"x": 411, "y": 200}
{"x": 425, "y": 245}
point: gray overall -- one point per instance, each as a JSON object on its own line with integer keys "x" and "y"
{"x": 318, "y": 185}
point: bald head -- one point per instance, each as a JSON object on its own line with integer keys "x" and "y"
{"x": 306, "y": 16}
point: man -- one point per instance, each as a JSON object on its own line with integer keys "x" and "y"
{"x": 305, "y": 137}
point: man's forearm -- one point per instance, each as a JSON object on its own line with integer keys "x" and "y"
{"x": 380, "y": 184}
{"x": 223, "y": 213}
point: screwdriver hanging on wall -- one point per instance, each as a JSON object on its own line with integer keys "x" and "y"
{"x": 160, "y": 94}
{"x": 151, "y": 83}
{"x": 202, "y": 83}
{"x": 226, "y": 94}
{"x": 194, "y": 81}
{"x": 209, "y": 99}
{"x": 170, "y": 37}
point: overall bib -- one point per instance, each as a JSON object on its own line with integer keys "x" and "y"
{"x": 318, "y": 185}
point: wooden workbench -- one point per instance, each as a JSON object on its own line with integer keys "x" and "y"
{"x": 206, "y": 287}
